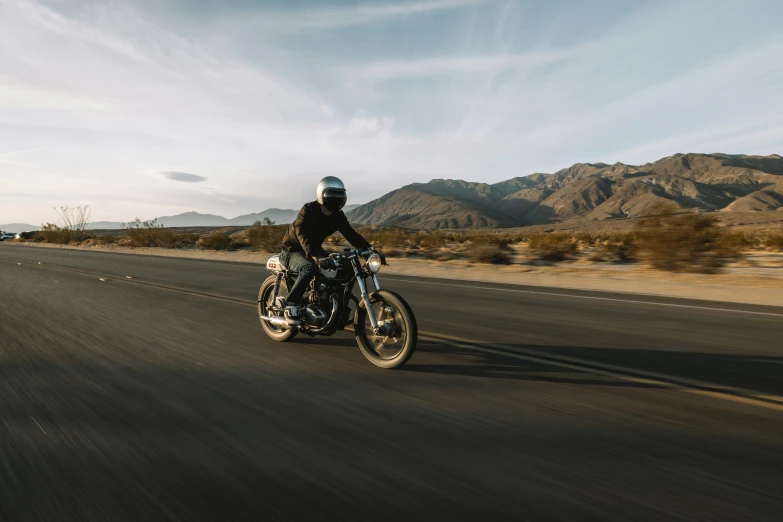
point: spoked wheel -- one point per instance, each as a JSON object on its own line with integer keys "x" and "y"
{"x": 395, "y": 341}
{"x": 265, "y": 302}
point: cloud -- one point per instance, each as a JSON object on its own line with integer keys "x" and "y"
{"x": 6, "y": 157}
{"x": 464, "y": 64}
{"x": 358, "y": 15}
{"x": 183, "y": 176}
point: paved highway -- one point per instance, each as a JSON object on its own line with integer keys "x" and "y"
{"x": 143, "y": 388}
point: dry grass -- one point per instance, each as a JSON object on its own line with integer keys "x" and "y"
{"x": 619, "y": 249}
{"x": 552, "y": 247}
{"x": 686, "y": 242}
{"x": 492, "y": 253}
{"x": 217, "y": 241}
{"x": 51, "y": 233}
{"x": 267, "y": 238}
{"x": 774, "y": 241}
{"x": 666, "y": 241}
{"x": 151, "y": 234}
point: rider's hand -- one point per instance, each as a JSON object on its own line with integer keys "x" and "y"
{"x": 327, "y": 263}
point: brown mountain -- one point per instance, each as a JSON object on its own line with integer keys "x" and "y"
{"x": 592, "y": 191}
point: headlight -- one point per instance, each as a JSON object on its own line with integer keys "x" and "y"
{"x": 374, "y": 263}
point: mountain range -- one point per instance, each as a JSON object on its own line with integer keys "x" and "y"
{"x": 586, "y": 191}
{"x": 591, "y": 192}
{"x": 188, "y": 219}
{"x": 196, "y": 219}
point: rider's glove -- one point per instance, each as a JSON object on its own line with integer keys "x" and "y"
{"x": 327, "y": 263}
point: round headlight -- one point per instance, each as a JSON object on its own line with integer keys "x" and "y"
{"x": 374, "y": 263}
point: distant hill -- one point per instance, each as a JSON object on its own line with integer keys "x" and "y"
{"x": 586, "y": 191}
{"x": 196, "y": 219}
{"x": 277, "y": 215}
{"x": 15, "y": 228}
{"x": 193, "y": 219}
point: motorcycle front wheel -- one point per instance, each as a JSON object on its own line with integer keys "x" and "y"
{"x": 396, "y": 339}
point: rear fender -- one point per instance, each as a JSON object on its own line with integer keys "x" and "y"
{"x": 274, "y": 264}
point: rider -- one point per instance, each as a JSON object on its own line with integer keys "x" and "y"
{"x": 302, "y": 251}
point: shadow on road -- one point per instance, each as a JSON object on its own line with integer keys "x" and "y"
{"x": 751, "y": 372}
{"x": 477, "y": 363}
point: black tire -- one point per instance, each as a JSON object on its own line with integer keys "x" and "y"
{"x": 373, "y": 346}
{"x": 265, "y": 295}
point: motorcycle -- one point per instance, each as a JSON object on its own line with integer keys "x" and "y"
{"x": 383, "y": 323}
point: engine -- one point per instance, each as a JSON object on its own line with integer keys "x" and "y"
{"x": 314, "y": 315}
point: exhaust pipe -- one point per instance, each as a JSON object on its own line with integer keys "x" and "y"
{"x": 277, "y": 321}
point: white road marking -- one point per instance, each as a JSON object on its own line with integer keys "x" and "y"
{"x": 36, "y": 423}
{"x": 715, "y": 391}
{"x": 534, "y": 292}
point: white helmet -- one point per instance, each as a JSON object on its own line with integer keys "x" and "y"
{"x": 331, "y": 193}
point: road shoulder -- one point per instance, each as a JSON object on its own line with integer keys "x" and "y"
{"x": 756, "y": 288}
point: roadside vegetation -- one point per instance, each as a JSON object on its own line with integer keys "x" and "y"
{"x": 665, "y": 240}
{"x": 691, "y": 242}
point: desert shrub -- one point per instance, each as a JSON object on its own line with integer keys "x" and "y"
{"x": 216, "y": 241}
{"x": 621, "y": 249}
{"x": 75, "y": 221}
{"x": 393, "y": 252}
{"x": 148, "y": 234}
{"x": 185, "y": 239}
{"x": 108, "y": 239}
{"x": 552, "y": 246}
{"x": 427, "y": 240}
{"x": 774, "y": 241}
{"x": 267, "y": 238}
{"x": 587, "y": 238}
{"x": 51, "y": 233}
{"x": 387, "y": 238}
{"x": 686, "y": 242}
{"x": 736, "y": 240}
{"x": 440, "y": 254}
{"x": 493, "y": 253}
{"x": 490, "y": 238}
{"x": 455, "y": 237}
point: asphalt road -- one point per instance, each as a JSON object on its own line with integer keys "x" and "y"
{"x": 160, "y": 398}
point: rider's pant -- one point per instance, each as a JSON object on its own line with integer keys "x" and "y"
{"x": 299, "y": 263}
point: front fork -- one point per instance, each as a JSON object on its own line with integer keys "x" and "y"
{"x": 366, "y": 295}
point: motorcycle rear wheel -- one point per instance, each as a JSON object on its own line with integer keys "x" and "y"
{"x": 265, "y": 301}
{"x": 395, "y": 344}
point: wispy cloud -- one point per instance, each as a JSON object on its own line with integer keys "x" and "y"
{"x": 6, "y": 157}
{"x": 336, "y": 17}
{"x": 481, "y": 90}
{"x": 183, "y": 176}
{"x": 463, "y": 64}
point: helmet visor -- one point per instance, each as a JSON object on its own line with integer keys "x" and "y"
{"x": 334, "y": 199}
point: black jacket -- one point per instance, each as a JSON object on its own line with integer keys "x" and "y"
{"x": 311, "y": 227}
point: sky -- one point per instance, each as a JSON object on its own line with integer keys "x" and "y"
{"x": 156, "y": 107}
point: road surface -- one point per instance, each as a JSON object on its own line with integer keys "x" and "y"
{"x": 143, "y": 388}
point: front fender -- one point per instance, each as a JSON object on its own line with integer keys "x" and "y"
{"x": 374, "y": 296}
